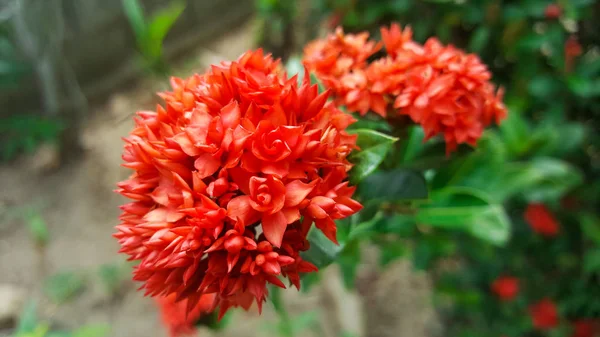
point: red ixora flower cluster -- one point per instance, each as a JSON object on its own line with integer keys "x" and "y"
{"x": 541, "y": 220}
{"x": 228, "y": 179}
{"x": 440, "y": 87}
{"x": 178, "y": 318}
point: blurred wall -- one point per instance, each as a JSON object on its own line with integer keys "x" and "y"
{"x": 98, "y": 44}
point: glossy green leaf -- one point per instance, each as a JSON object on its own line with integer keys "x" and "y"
{"x": 374, "y": 146}
{"x": 371, "y": 122}
{"x": 322, "y": 251}
{"x": 414, "y": 145}
{"x": 467, "y": 210}
{"x": 396, "y": 185}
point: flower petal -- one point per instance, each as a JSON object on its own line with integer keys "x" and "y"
{"x": 296, "y": 191}
{"x": 206, "y": 165}
{"x": 240, "y": 208}
{"x": 274, "y": 226}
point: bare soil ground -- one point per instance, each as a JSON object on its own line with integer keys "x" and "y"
{"x": 80, "y": 210}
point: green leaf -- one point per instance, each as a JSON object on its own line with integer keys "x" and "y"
{"x": 590, "y": 225}
{"x": 547, "y": 179}
{"x": 467, "y": 210}
{"x": 539, "y": 179}
{"x": 28, "y": 320}
{"x": 414, "y": 145}
{"x": 583, "y": 87}
{"x": 100, "y": 330}
{"x": 322, "y": 251}
{"x": 514, "y": 128}
{"x": 64, "y": 286}
{"x": 159, "y": 26}
{"x": 422, "y": 255}
{"x": 560, "y": 139}
{"x": 390, "y": 251}
{"x": 544, "y": 86}
{"x": 479, "y": 39}
{"x": 591, "y": 261}
{"x": 371, "y": 122}
{"x": 135, "y": 15}
{"x": 396, "y": 185}
{"x": 374, "y": 146}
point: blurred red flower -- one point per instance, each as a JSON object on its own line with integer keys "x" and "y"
{"x": 445, "y": 90}
{"x": 178, "y": 318}
{"x": 572, "y": 50}
{"x": 541, "y": 220}
{"x": 222, "y": 176}
{"x": 553, "y": 11}
{"x": 585, "y": 328}
{"x": 544, "y": 314}
{"x": 506, "y": 287}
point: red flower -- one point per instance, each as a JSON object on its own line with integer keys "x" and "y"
{"x": 178, "y": 318}
{"x": 541, "y": 220}
{"x": 440, "y": 87}
{"x": 572, "y": 50}
{"x": 553, "y": 11}
{"x": 544, "y": 314}
{"x": 585, "y": 328}
{"x": 506, "y": 287}
{"x": 339, "y": 53}
{"x": 223, "y": 174}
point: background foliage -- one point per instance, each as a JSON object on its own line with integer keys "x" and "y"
{"x": 462, "y": 218}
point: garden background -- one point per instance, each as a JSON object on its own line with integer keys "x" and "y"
{"x": 521, "y": 206}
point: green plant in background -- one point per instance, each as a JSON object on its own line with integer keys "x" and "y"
{"x": 20, "y": 132}
{"x": 277, "y": 26}
{"x": 12, "y": 68}
{"x": 30, "y": 326}
{"x": 150, "y": 32}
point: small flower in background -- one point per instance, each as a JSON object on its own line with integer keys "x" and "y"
{"x": 506, "y": 287}
{"x": 553, "y": 11}
{"x": 229, "y": 178}
{"x": 178, "y": 318}
{"x": 572, "y": 50}
{"x": 544, "y": 314}
{"x": 541, "y": 220}
{"x": 585, "y": 328}
{"x": 445, "y": 90}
